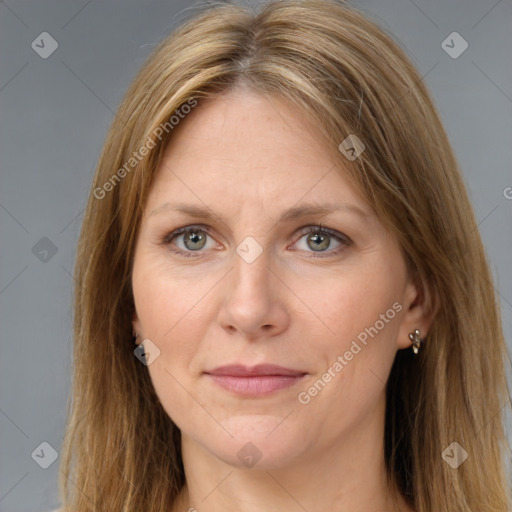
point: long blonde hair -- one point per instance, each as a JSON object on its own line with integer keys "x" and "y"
{"x": 121, "y": 451}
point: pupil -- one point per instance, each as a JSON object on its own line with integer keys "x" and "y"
{"x": 195, "y": 239}
{"x": 319, "y": 240}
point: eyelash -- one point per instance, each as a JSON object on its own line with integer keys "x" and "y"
{"x": 312, "y": 230}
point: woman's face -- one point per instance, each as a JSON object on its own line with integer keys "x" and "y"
{"x": 252, "y": 284}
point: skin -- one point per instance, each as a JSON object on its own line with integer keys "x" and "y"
{"x": 249, "y": 159}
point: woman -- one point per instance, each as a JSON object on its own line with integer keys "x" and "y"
{"x": 279, "y": 304}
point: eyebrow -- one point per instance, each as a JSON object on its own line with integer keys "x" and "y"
{"x": 296, "y": 212}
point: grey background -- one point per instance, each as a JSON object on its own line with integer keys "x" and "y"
{"x": 54, "y": 116}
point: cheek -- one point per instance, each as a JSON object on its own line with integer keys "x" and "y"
{"x": 170, "y": 310}
{"x": 358, "y": 349}
{"x": 360, "y": 321}
{"x": 171, "y": 314}
{"x": 347, "y": 303}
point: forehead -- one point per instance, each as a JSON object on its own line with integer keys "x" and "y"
{"x": 241, "y": 147}
{"x": 265, "y": 128}
{"x": 253, "y": 144}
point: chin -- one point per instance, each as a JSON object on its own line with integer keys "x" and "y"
{"x": 258, "y": 442}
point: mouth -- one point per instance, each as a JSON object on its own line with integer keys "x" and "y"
{"x": 255, "y": 381}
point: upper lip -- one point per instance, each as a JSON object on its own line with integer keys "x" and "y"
{"x": 237, "y": 370}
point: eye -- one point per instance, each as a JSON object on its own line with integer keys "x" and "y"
{"x": 190, "y": 239}
{"x": 319, "y": 240}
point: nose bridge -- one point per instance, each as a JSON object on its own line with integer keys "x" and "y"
{"x": 251, "y": 276}
{"x": 253, "y": 252}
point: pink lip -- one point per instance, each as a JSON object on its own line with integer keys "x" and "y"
{"x": 255, "y": 380}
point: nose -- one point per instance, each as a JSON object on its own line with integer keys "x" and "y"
{"x": 254, "y": 300}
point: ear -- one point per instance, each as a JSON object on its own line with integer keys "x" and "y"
{"x": 137, "y": 329}
{"x": 419, "y": 311}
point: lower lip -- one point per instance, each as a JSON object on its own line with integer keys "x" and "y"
{"x": 257, "y": 385}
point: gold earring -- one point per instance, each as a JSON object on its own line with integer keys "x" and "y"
{"x": 416, "y": 340}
